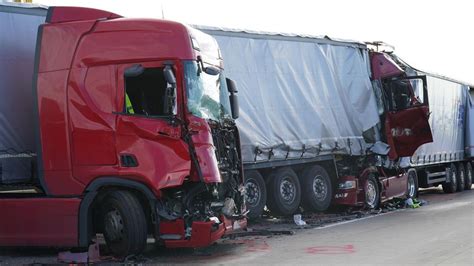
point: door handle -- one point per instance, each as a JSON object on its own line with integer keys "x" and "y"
{"x": 168, "y": 132}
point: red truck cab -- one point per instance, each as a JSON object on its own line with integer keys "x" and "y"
{"x": 136, "y": 137}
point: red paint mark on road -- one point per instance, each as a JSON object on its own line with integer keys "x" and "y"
{"x": 331, "y": 250}
{"x": 253, "y": 246}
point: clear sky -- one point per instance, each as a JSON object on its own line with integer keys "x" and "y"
{"x": 435, "y": 36}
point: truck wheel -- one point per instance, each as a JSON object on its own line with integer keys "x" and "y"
{"x": 284, "y": 192}
{"x": 412, "y": 182}
{"x": 255, "y": 194}
{"x": 372, "y": 192}
{"x": 468, "y": 176}
{"x": 460, "y": 177}
{"x": 450, "y": 185}
{"x": 125, "y": 226}
{"x": 316, "y": 188}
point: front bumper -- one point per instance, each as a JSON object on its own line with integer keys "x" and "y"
{"x": 203, "y": 234}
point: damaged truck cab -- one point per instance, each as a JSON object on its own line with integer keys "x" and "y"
{"x": 136, "y": 137}
{"x": 404, "y": 113}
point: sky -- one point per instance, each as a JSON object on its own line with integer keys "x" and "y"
{"x": 434, "y": 36}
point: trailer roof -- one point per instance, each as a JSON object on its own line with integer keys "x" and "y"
{"x": 471, "y": 86}
{"x": 245, "y": 33}
{"x": 26, "y": 9}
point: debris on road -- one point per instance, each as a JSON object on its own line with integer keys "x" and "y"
{"x": 298, "y": 220}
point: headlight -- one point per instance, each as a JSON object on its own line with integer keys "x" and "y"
{"x": 347, "y": 184}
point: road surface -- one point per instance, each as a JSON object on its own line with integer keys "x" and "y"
{"x": 440, "y": 233}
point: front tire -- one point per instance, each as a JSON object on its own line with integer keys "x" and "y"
{"x": 284, "y": 192}
{"x": 450, "y": 185}
{"x": 412, "y": 185}
{"x": 372, "y": 193}
{"x": 255, "y": 194}
{"x": 124, "y": 224}
{"x": 316, "y": 188}
{"x": 468, "y": 176}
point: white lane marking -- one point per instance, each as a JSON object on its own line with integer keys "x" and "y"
{"x": 449, "y": 205}
{"x": 356, "y": 219}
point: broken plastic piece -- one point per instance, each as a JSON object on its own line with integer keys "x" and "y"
{"x": 229, "y": 207}
{"x": 91, "y": 256}
{"x": 380, "y": 148}
{"x": 410, "y": 203}
{"x": 298, "y": 220}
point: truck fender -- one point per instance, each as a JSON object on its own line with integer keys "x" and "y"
{"x": 90, "y": 193}
{"x": 365, "y": 174}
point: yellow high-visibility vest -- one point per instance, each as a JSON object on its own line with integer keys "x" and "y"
{"x": 128, "y": 105}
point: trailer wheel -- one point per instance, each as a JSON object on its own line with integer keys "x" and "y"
{"x": 461, "y": 176}
{"x": 316, "y": 189}
{"x": 284, "y": 192}
{"x": 125, "y": 226}
{"x": 412, "y": 182}
{"x": 255, "y": 194}
{"x": 468, "y": 176}
{"x": 372, "y": 192}
{"x": 450, "y": 185}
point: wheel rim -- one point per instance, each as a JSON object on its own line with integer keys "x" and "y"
{"x": 411, "y": 186}
{"x": 469, "y": 177}
{"x": 287, "y": 190}
{"x": 461, "y": 179}
{"x": 371, "y": 194}
{"x": 114, "y": 228}
{"x": 253, "y": 193}
{"x": 320, "y": 189}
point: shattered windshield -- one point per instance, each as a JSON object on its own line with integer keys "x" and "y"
{"x": 207, "y": 94}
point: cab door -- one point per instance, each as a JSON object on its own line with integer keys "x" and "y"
{"x": 406, "y": 120}
{"x": 149, "y": 142}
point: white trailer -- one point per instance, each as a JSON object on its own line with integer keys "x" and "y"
{"x": 448, "y": 159}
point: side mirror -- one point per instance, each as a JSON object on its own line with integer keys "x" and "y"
{"x": 231, "y": 87}
{"x": 134, "y": 71}
{"x": 169, "y": 106}
{"x": 234, "y": 105}
{"x": 210, "y": 70}
{"x": 234, "y": 100}
{"x": 213, "y": 71}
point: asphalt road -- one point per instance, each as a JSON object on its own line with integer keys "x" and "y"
{"x": 440, "y": 233}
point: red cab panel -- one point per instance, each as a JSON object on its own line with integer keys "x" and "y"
{"x": 39, "y": 222}
{"x": 383, "y": 66}
{"x": 407, "y": 130}
{"x": 60, "y": 14}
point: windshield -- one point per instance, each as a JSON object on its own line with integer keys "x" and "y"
{"x": 207, "y": 95}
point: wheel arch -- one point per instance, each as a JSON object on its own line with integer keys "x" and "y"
{"x": 91, "y": 194}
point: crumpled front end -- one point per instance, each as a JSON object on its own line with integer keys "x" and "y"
{"x": 205, "y": 208}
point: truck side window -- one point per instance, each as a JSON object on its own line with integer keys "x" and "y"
{"x": 145, "y": 93}
{"x": 399, "y": 94}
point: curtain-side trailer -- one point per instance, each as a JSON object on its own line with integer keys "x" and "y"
{"x": 446, "y": 161}
{"x": 314, "y": 130}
